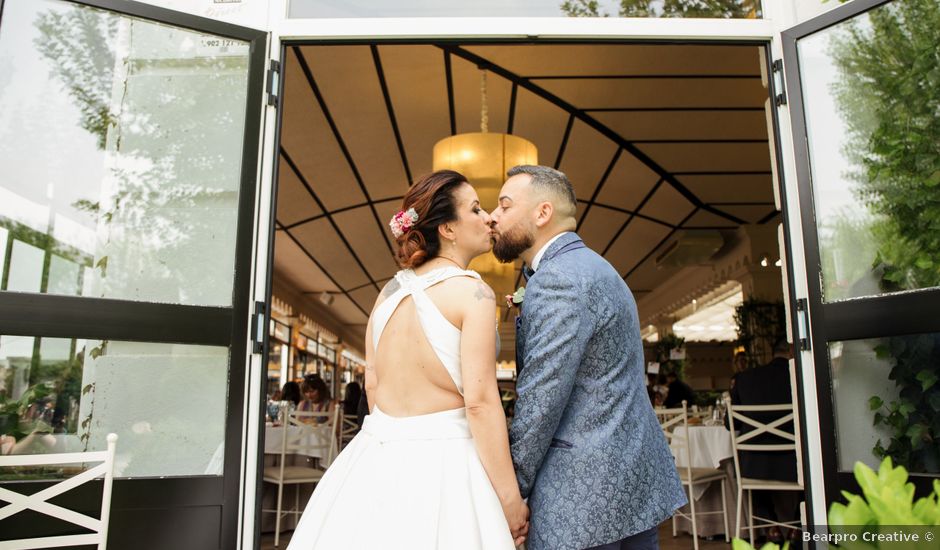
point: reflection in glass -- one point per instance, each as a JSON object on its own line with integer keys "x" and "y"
{"x": 886, "y": 401}
{"x": 525, "y": 8}
{"x": 871, "y": 93}
{"x": 165, "y": 401}
{"x": 133, "y": 134}
{"x": 25, "y": 273}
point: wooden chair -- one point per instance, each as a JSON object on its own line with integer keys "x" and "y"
{"x": 745, "y": 415}
{"x": 39, "y": 501}
{"x": 670, "y": 421}
{"x": 304, "y": 432}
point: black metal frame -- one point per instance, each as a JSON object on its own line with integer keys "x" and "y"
{"x": 51, "y": 315}
{"x": 878, "y": 316}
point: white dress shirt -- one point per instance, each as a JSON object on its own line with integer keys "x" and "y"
{"x": 541, "y": 252}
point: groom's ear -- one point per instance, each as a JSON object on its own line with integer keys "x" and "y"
{"x": 544, "y": 213}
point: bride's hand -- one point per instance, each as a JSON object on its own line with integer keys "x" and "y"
{"x": 517, "y": 515}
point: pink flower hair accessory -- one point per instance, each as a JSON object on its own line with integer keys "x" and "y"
{"x": 402, "y": 222}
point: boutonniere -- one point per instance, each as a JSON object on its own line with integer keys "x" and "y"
{"x": 516, "y": 298}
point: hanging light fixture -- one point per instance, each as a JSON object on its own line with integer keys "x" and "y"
{"x": 484, "y": 157}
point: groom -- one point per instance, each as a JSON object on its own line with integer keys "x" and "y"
{"x": 589, "y": 453}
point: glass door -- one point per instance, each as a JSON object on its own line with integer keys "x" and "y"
{"x": 863, "y": 96}
{"x": 128, "y": 159}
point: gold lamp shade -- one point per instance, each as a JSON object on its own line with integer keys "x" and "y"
{"x": 484, "y": 158}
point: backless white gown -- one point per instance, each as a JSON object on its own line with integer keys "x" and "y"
{"x": 413, "y": 483}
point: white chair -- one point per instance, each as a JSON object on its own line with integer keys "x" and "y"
{"x": 670, "y": 420}
{"x": 745, "y": 415}
{"x": 349, "y": 427}
{"x": 39, "y": 501}
{"x": 304, "y": 433}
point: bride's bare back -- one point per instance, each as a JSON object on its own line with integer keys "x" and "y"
{"x": 414, "y": 376}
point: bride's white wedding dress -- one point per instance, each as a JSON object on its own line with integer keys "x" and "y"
{"x": 410, "y": 483}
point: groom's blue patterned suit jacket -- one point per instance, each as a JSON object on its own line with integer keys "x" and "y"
{"x": 587, "y": 447}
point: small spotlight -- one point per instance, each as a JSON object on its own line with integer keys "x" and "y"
{"x": 326, "y": 298}
{"x": 764, "y": 262}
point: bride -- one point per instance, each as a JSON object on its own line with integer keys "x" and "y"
{"x": 431, "y": 467}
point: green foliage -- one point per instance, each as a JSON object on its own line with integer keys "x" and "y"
{"x": 760, "y": 325}
{"x": 13, "y": 413}
{"x": 887, "y": 499}
{"x": 914, "y": 418}
{"x": 667, "y": 8}
{"x": 889, "y": 96}
{"x": 88, "y": 75}
{"x": 666, "y": 365}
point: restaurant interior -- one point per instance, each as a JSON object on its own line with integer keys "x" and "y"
{"x": 669, "y": 148}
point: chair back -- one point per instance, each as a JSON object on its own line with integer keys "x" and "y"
{"x": 312, "y": 433}
{"x": 349, "y": 427}
{"x": 675, "y": 425}
{"x": 39, "y": 501}
{"x": 784, "y": 439}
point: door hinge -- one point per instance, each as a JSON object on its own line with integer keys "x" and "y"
{"x": 257, "y": 327}
{"x": 274, "y": 80}
{"x": 781, "y": 97}
{"x": 802, "y": 321}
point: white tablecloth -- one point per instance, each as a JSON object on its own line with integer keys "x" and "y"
{"x": 316, "y": 444}
{"x": 709, "y": 445}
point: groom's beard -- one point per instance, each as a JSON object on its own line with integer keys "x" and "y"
{"x": 511, "y": 244}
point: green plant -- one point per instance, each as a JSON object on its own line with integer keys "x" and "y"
{"x": 13, "y": 411}
{"x": 887, "y": 499}
{"x": 914, "y": 418}
{"x": 662, "y": 350}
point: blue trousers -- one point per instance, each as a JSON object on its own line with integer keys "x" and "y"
{"x": 644, "y": 540}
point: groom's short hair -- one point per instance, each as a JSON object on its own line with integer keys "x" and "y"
{"x": 555, "y": 182}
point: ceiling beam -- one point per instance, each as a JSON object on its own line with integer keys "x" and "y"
{"x": 339, "y": 211}
{"x": 449, "y": 74}
{"x": 641, "y": 76}
{"x": 660, "y": 243}
{"x": 599, "y": 186}
{"x": 311, "y": 81}
{"x": 581, "y": 115}
{"x": 377, "y": 59}
{"x": 329, "y": 215}
{"x": 324, "y": 270}
{"x": 646, "y": 199}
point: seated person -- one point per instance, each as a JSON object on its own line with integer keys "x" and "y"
{"x": 316, "y": 397}
{"x": 769, "y": 385}
{"x": 679, "y": 391}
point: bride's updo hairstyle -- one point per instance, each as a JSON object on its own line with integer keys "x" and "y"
{"x": 432, "y": 197}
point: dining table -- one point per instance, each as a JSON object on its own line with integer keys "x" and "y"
{"x": 710, "y": 448}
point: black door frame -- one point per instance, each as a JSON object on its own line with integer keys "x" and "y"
{"x": 870, "y": 317}
{"x": 45, "y": 315}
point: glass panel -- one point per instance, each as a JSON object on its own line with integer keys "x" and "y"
{"x": 166, "y": 402}
{"x": 25, "y": 267}
{"x": 526, "y": 8}
{"x": 4, "y": 234}
{"x": 891, "y": 384}
{"x": 870, "y": 92}
{"x": 133, "y": 131}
